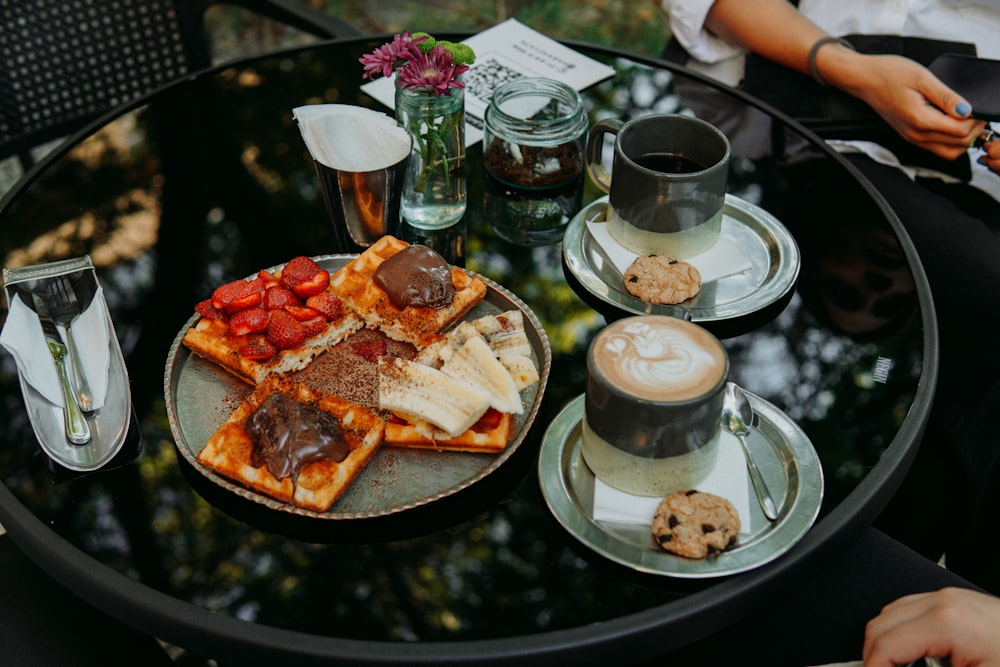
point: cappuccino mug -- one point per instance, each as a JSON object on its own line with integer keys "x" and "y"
{"x": 667, "y": 186}
{"x": 653, "y": 405}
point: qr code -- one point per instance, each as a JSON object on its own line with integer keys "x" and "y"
{"x": 486, "y": 76}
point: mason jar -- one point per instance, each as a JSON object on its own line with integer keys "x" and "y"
{"x": 534, "y": 144}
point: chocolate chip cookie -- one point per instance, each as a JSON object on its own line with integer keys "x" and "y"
{"x": 695, "y": 524}
{"x": 662, "y": 279}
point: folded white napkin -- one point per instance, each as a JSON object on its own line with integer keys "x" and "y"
{"x": 723, "y": 259}
{"x": 22, "y": 336}
{"x": 351, "y": 138}
{"x": 728, "y": 478}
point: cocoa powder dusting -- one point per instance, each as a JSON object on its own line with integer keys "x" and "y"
{"x": 351, "y": 376}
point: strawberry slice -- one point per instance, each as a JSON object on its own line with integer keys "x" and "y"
{"x": 225, "y": 294}
{"x": 269, "y": 279}
{"x": 277, "y": 296}
{"x": 258, "y": 350}
{"x": 304, "y": 313}
{"x": 370, "y": 350}
{"x": 314, "y": 285}
{"x": 299, "y": 270}
{"x": 238, "y": 294}
{"x": 331, "y": 306}
{"x": 252, "y": 296}
{"x": 284, "y": 331}
{"x": 489, "y": 421}
{"x": 208, "y": 311}
{"x": 248, "y": 321}
{"x": 315, "y": 326}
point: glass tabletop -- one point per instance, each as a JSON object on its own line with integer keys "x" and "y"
{"x": 208, "y": 180}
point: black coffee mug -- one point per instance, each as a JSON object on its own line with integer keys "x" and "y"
{"x": 669, "y": 187}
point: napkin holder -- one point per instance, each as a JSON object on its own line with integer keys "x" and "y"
{"x": 361, "y": 158}
{"x": 109, "y": 424}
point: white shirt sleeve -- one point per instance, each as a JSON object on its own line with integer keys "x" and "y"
{"x": 687, "y": 24}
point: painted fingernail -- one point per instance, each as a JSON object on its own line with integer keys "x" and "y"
{"x": 981, "y": 160}
{"x": 963, "y": 109}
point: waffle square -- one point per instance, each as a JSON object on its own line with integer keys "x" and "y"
{"x": 419, "y": 325}
{"x": 210, "y": 339}
{"x": 229, "y": 451}
{"x": 489, "y": 435}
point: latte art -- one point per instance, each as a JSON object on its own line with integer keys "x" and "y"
{"x": 659, "y": 359}
{"x": 653, "y": 404}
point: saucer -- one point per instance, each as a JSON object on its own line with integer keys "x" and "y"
{"x": 783, "y": 451}
{"x": 109, "y": 425}
{"x": 770, "y": 247}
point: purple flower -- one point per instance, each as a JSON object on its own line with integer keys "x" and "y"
{"x": 433, "y": 70}
{"x": 388, "y": 57}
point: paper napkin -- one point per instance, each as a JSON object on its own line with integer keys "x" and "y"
{"x": 22, "y": 336}
{"x": 723, "y": 259}
{"x": 351, "y": 138}
{"x": 728, "y": 478}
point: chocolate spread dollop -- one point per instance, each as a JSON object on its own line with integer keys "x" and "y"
{"x": 287, "y": 435}
{"x": 416, "y": 276}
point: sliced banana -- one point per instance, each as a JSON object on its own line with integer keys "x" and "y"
{"x": 435, "y": 354}
{"x": 506, "y": 337}
{"x": 419, "y": 393}
{"x": 521, "y": 369}
{"x": 505, "y": 333}
{"x": 474, "y": 363}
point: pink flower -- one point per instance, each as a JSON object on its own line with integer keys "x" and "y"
{"x": 434, "y": 70}
{"x": 388, "y": 57}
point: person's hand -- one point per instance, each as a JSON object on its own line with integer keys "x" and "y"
{"x": 991, "y": 155}
{"x": 915, "y": 103}
{"x": 957, "y": 623}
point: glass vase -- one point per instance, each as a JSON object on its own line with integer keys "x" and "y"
{"x": 434, "y": 194}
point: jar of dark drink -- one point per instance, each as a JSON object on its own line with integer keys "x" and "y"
{"x": 533, "y": 153}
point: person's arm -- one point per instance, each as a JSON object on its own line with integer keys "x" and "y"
{"x": 955, "y": 623}
{"x": 912, "y": 100}
{"x": 773, "y": 29}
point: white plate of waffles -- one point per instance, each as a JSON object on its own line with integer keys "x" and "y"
{"x": 204, "y": 401}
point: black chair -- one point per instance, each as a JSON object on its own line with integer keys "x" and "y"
{"x": 66, "y": 62}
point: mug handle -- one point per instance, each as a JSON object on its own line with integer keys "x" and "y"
{"x": 595, "y": 150}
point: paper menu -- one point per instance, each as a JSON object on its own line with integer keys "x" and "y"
{"x": 507, "y": 51}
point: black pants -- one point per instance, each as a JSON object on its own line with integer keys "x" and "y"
{"x": 948, "y": 500}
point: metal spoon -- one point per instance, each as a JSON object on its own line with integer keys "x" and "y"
{"x": 737, "y": 416}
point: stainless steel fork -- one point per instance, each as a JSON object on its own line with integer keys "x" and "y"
{"x": 77, "y": 429}
{"x": 63, "y": 308}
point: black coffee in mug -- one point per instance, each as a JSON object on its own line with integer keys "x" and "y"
{"x": 669, "y": 163}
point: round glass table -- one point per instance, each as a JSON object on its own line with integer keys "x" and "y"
{"x": 208, "y": 180}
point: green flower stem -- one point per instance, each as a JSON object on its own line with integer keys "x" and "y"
{"x": 436, "y": 177}
{"x": 434, "y": 153}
